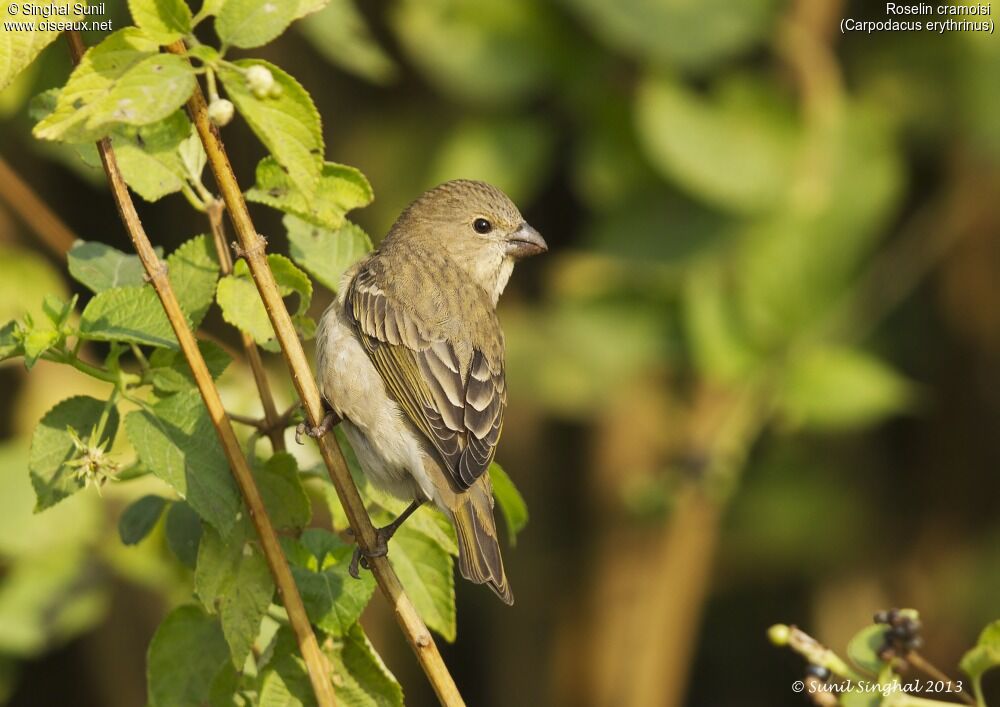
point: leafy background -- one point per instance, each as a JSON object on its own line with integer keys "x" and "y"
{"x": 754, "y": 380}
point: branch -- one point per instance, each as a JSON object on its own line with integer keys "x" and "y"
{"x": 253, "y": 246}
{"x": 316, "y": 663}
{"x": 23, "y": 201}
{"x": 274, "y": 430}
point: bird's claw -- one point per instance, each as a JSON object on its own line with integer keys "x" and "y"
{"x": 319, "y": 430}
{"x": 360, "y": 557}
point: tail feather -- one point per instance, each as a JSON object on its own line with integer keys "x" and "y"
{"x": 479, "y": 557}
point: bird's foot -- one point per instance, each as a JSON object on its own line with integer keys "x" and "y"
{"x": 329, "y": 421}
{"x": 382, "y": 537}
{"x": 360, "y": 557}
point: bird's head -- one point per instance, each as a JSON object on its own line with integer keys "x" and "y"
{"x": 476, "y": 225}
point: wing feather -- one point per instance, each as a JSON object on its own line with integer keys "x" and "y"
{"x": 459, "y": 411}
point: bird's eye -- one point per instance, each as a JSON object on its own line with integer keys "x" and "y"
{"x": 482, "y": 226}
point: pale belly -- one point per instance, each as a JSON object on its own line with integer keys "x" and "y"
{"x": 386, "y": 444}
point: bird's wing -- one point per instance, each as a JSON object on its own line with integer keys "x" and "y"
{"x": 459, "y": 411}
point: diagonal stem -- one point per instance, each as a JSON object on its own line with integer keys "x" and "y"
{"x": 23, "y": 201}
{"x": 316, "y": 663}
{"x": 275, "y": 431}
{"x": 253, "y": 246}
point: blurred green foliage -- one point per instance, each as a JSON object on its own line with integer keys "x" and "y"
{"x": 727, "y": 213}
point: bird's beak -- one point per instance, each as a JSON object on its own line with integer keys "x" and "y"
{"x": 525, "y": 242}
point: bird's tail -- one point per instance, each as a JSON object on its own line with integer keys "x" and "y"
{"x": 478, "y": 550}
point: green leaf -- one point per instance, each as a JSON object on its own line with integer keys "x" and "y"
{"x": 131, "y": 314}
{"x": 148, "y": 92}
{"x": 52, "y": 446}
{"x": 514, "y": 154}
{"x": 497, "y": 53}
{"x": 183, "y": 530}
{"x": 288, "y": 125}
{"x": 163, "y": 20}
{"x": 111, "y": 84}
{"x": 720, "y": 345}
{"x": 139, "y": 518}
{"x": 334, "y": 600}
{"x": 340, "y": 189}
{"x": 340, "y": 34}
{"x": 360, "y": 676}
{"x": 426, "y": 570}
{"x": 169, "y": 371}
{"x": 863, "y": 648}
{"x": 186, "y": 654}
{"x": 985, "y": 655}
{"x": 150, "y": 156}
{"x": 10, "y": 341}
{"x": 19, "y": 46}
{"x": 194, "y": 270}
{"x": 512, "y": 505}
{"x": 252, "y": 23}
{"x": 677, "y": 32}
{"x": 734, "y": 150}
{"x": 243, "y": 308}
{"x": 323, "y": 253}
{"x": 233, "y": 579}
{"x": 36, "y": 342}
{"x": 100, "y": 267}
{"x": 175, "y": 439}
{"x": 836, "y": 388}
{"x": 284, "y": 496}
{"x": 362, "y": 679}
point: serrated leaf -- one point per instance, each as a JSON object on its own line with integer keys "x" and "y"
{"x": 863, "y": 648}
{"x": 838, "y": 387}
{"x": 340, "y": 34}
{"x": 132, "y": 314}
{"x": 21, "y": 44}
{"x": 150, "y": 155}
{"x": 252, "y": 23}
{"x": 334, "y": 600}
{"x": 36, "y": 342}
{"x": 148, "y": 92}
{"x": 170, "y": 373}
{"x": 324, "y": 253}
{"x": 512, "y": 505}
{"x": 185, "y": 656}
{"x": 183, "y": 529}
{"x": 139, "y": 518}
{"x": 364, "y": 680}
{"x": 243, "y": 308}
{"x": 163, "y": 20}
{"x": 232, "y": 578}
{"x": 175, "y": 439}
{"x": 427, "y": 573}
{"x": 360, "y": 677}
{"x": 10, "y": 343}
{"x": 100, "y": 267}
{"x": 93, "y": 79}
{"x": 288, "y": 125}
{"x": 284, "y": 496}
{"x": 340, "y": 189}
{"x": 52, "y": 446}
{"x": 194, "y": 270}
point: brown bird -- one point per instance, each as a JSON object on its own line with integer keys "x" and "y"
{"x": 411, "y": 358}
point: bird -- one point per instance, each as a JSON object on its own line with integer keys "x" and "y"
{"x": 410, "y": 361}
